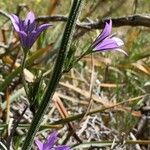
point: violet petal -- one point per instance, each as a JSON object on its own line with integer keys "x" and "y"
{"x": 62, "y": 147}
{"x": 39, "y": 144}
{"x": 105, "y": 33}
{"x": 118, "y": 41}
{"x": 29, "y": 22}
{"x": 51, "y": 140}
{"x": 121, "y": 50}
{"x": 30, "y": 18}
{"x": 106, "y": 44}
{"x": 42, "y": 28}
{"x": 15, "y": 21}
{"x": 31, "y": 39}
{"x": 23, "y": 38}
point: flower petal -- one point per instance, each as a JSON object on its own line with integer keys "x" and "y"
{"x": 50, "y": 141}
{"x": 23, "y": 38}
{"x": 62, "y": 147}
{"x": 36, "y": 34}
{"x": 122, "y": 51}
{"x": 106, "y": 31}
{"x": 42, "y": 27}
{"x": 15, "y": 21}
{"x": 104, "y": 34}
{"x": 106, "y": 44}
{"x": 39, "y": 144}
{"x": 31, "y": 39}
{"x": 30, "y": 18}
{"x": 29, "y": 22}
{"x": 118, "y": 41}
{"x": 110, "y": 44}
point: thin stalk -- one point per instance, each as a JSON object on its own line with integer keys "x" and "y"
{"x": 26, "y": 126}
{"x": 64, "y": 47}
{"x": 80, "y": 116}
{"x": 13, "y": 130}
{"x": 12, "y": 75}
{"x": 15, "y": 124}
{"x": 23, "y": 75}
{"x": 107, "y": 143}
{"x": 78, "y": 59}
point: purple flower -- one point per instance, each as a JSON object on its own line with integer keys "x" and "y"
{"x": 106, "y": 41}
{"x": 27, "y": 29}
{"x": 50, "y": 143}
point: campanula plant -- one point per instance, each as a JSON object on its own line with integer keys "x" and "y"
{"x": 104, "y": 42}
{"x": 56, "y": 74}
{"x": 27, "y": 29}
{"x": 50, "y": 143}
{"x": 107, "y": 41}
{"x": 28, "y": 32}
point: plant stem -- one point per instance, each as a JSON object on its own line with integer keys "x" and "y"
{"x": 23, "y": 75}
{"x": 65, "y": 45}
{"x": 79, "y": 116}
{"x": 12, "y": 75}
{"x": 77, "y": 59}
{"x": 106, "y": 143}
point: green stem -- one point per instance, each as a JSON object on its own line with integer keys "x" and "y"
{"x": 79, "y": 116}
{"x": 23, "y": 75}
{"x": 65, "y": 45}
{"x": 107, "y": 143}
{"x": 88, "y": 51}
{"x": 17, "y": 71}
{"x": 26, "y": 126}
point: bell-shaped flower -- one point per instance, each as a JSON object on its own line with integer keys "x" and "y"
{"x": 106, "y": 41}
{"x": 27, "y": 29}
{"x": 49, "y": 144}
